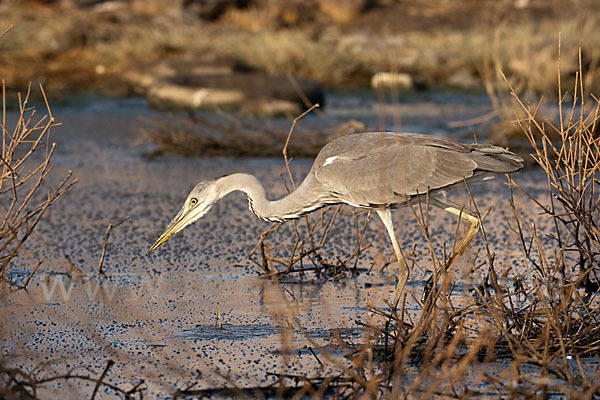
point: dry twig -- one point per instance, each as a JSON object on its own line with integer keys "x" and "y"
{"x": 106, "y": 237}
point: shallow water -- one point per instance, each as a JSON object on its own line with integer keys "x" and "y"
{"x": 156, "y": 315}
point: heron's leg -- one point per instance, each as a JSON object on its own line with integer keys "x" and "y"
{"x": 473, "y": 228}
{"x": 473, "y": 225}
{"x": 386, "y": 217}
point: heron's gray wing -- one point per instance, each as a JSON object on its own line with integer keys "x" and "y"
{"x": 495, "y": 159}
{"x": 386, "y": 172}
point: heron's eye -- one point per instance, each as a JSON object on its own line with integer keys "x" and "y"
{"x": 193, "y": 201}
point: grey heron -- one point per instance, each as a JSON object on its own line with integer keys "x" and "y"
{"x": 375, "y": 170}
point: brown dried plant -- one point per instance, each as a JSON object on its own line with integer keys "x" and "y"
{"x": 545, "y": 321}
{"x": 572, "y": 166}
{"x": 25, "y": 167}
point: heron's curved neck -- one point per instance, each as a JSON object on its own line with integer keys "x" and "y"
{"x": 292, "y": 206}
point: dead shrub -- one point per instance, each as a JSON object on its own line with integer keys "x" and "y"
{"x": 23, "y": 177}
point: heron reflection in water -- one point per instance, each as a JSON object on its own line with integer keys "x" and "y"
{"x": 377, "y": 171}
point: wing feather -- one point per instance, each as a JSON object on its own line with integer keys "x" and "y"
{"x": 392, "y": 172}
{"x": 384, "y": 167}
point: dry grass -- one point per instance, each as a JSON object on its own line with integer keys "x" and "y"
{"x": 92, "y": 48}
{"x": 525, "y": 50}
{"x": 508, "y": 108}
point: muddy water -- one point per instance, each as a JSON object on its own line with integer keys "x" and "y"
{"x": 195, "y": 311}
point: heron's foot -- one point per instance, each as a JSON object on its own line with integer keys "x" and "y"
{"x": 402, "y": 279}
{"x": 474, "y": 226}
{"x": 429, "y": 282}
{"x": 445, "y": 267}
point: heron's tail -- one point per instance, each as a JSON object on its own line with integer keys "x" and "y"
{"x": 495, "y": 159}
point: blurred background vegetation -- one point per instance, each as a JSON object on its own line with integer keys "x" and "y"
{"x": 108, "y": 46}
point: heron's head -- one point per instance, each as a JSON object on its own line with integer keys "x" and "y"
{"x": 197, "y": 204}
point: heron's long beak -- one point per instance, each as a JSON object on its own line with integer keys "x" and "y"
{"x": 181, "y": 220}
